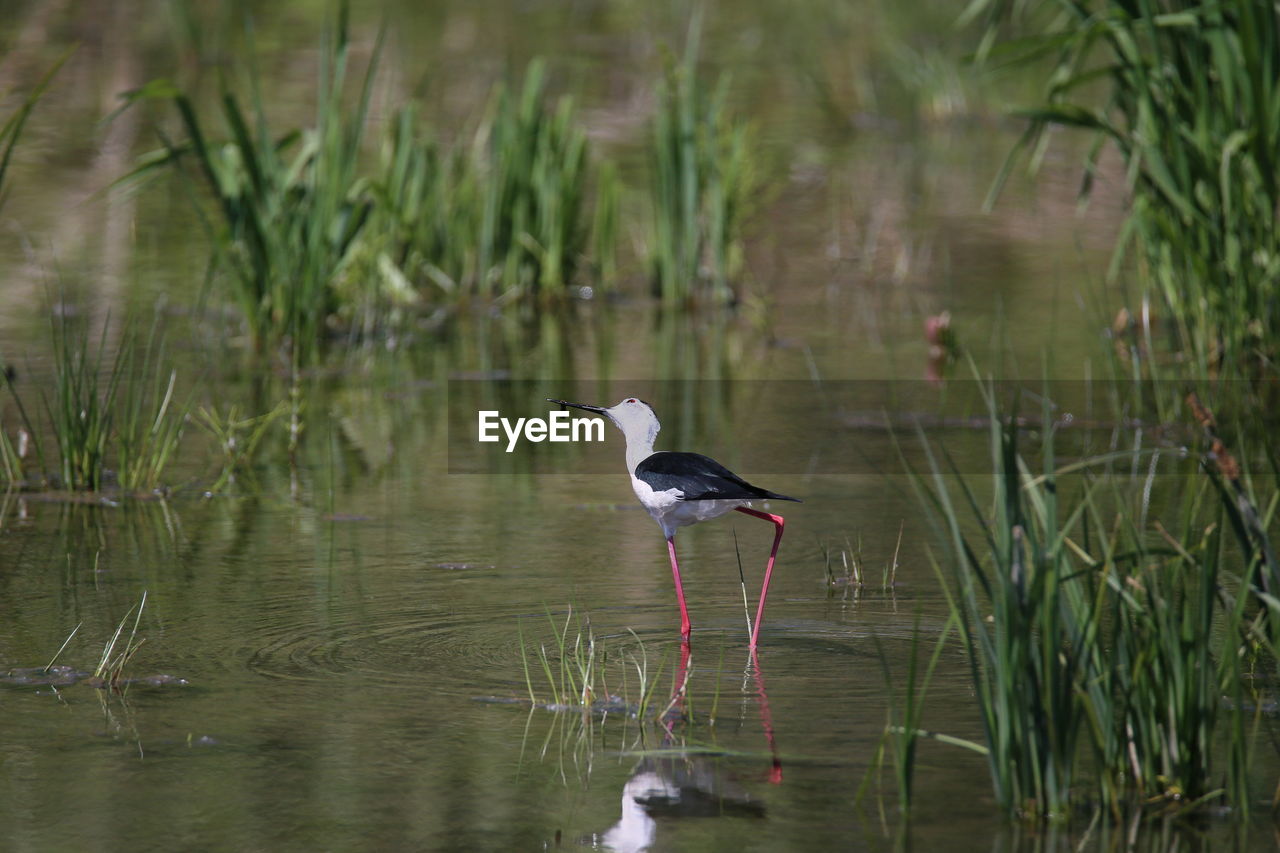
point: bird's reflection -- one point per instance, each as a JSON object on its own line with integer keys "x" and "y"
{"x": 687, "y": 784}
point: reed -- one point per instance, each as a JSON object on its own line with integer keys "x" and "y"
{"x": 425, "y": 215}
{"x": 291, "y": 205}
{"x": 11, "y": 130}
{"x": 13, "y": 455}
{"x": 151, "y": 421}
{"x": 902, "y": 728}
{"x": 1101, "y": 645}
{"x": 103, "y": 409}
{"x": 115, "y": 655}
{"x": 509, "y": 215}
{"x": 81, "y": 412}
{"x": 1188, "y": 96}
{"x": 577, "y": 669}
{"x": 573, "y": 667}
{"x": 703, "y": 180}
{"x": 533, "y": 227}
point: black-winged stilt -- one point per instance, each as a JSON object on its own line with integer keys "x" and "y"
{"x": 679, "y": 489}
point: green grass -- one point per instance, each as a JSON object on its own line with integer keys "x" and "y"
{"x": 309, "y": 241}
{"x": 575, "y": 671}
{"x": 424, "y": 221}
{"x": 703, "y": 179}
{"x": 102, "y": 410}
{"x": 906, "y": 708}
{"x": 151, "y": 421}
{"x": 572, "y": 667}
{"x": 290, "y": 205}
{"x": 11, "y": 130}
{"x": 1108, "y": 652}
{"x": 509, "y": 214}
{"x": 1188, "y": 93}
{"x": 115, "y": 654}
{"x": 533, "y": 228}
{"x": 81, "y": 410}
{"x": 13, "y": 454}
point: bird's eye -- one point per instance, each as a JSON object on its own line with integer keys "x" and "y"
{"x": 632, "y": 400}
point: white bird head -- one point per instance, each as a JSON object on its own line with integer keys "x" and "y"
{"x": 634, "y": 417}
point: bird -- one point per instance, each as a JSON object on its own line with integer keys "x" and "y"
{"x": 679, "y": 489}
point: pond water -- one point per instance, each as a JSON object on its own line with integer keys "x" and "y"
{"x": 356, "y": 624}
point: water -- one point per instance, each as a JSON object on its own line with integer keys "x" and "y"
{"x": 354, "y": 623}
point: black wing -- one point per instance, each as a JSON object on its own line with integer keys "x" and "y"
{"x": 699, "y": 478}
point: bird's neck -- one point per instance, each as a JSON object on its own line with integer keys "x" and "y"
{"x": 638, "y": 450}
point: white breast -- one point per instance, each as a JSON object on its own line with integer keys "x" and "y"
{"x": 672, "y": 513}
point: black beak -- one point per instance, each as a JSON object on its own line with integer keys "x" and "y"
{"x": 599, "y": 410}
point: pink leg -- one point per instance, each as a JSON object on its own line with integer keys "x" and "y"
{"x": 778, "y": 523}
{"x": 685, "y": 627}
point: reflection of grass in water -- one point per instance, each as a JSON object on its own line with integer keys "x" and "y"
{"x": 238, "y": 437}
{"x": 1101, "y": 654}
{"x": 577, "y": 669}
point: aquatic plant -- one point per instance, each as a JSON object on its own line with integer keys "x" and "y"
{"x": 80, "y": 411}
{"x": 11, "y": 130}
{"x": 424, "y": 221}
{"x": 604, "y": 225}
{"x": 572, "y": 670}
{"x": 150, "y": 423}
{"x": 1101, "y": 646}
{"x": 576, "y": 667}
{"x": 291, "y": 205}
{"x": 508, "y": 215}
{"x": 111, "y": 664}
{"x": 902, "y": 733}
{"x": 14, "y": 453}
{"x": 1190, "y": 99}
{"x": 533, "y": 227}
{"x": 702, "y": 183}
{"x": 238, "y": 437}
{"x": 12, "y": 457}
{"x": 101, "y": 410}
